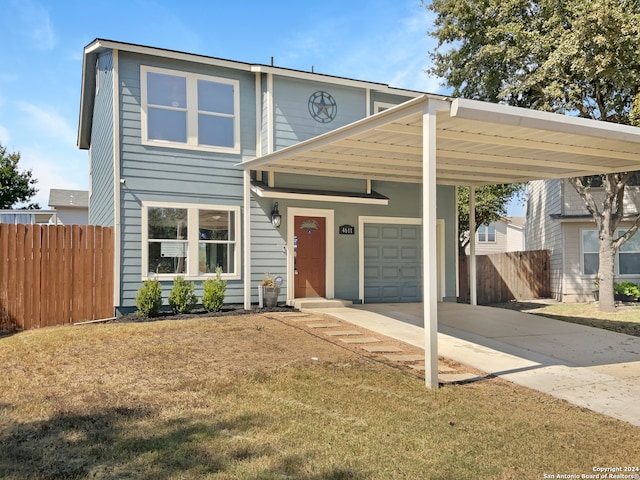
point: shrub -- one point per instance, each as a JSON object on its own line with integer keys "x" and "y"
{"x": 627, "y": 288}
{"x": 149, "y": 299}
{"x": 182, "y": 299}
{"x": 214, "y": 288}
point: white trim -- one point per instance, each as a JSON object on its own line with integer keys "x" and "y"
{"x": 362, "y": 220}
{"x": 457, "y": 249}
{"x": 191, "y": 111}
{"x": 192, "y": 272}
{"x": 582, "y": 253}
{"x": 328, "y": 214}
{"x": 367, "y": 105}
{"x": 318, "y": 198}
{"x": 247, "y": 239}
{"x": 117, "y": 186}
{"x": 258, "y": 87}
{"x": 270, "y": 115}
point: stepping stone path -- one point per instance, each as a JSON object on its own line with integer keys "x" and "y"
{"x": 364, "y": 340}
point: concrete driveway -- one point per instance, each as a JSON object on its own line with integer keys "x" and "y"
{"x": 586, "y": 366}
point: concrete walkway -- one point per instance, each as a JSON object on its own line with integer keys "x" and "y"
{"x": 589, "y": 367}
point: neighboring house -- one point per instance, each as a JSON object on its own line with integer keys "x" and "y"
{"x": 326, "y": 182}
{"x": 557, "y": 220}
{"x": 29, "y": 217}
{"x": 503, "y": 235}
{"x": 71, "y": 206}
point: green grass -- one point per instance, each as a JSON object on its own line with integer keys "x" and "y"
{"x": 625, "y": 320}
{"x": 244, "y": 397}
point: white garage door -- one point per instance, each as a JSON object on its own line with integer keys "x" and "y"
{"x": 392, "y": 263}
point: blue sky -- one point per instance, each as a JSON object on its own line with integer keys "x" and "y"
{"x": 42, "y": 42}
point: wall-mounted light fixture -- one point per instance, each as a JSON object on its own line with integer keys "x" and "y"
{"x": 276, "y": 218}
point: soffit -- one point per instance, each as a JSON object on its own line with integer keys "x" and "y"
{"x": 477, "y": 143}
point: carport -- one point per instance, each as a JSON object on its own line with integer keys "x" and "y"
{"x": 438, "y": 140}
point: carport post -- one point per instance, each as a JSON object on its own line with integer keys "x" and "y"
{"x": 473, "y": 285}
{"x": 429, "y": 262}
{"x": 247, "y": 239}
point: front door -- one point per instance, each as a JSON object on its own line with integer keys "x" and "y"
{"x": 309, "y": 242}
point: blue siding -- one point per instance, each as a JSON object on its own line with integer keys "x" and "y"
{"x": 387, "y": 98}
{"x": 292, "y": 121}
{"x": 405, "y": 201}
{"x": 101, "y": 202}
{"x": 174, "y": 175}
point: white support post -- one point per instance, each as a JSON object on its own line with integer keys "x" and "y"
{"x": 429, "y": 255}
{"x": 247, "y": 239}
{"x": 473, "y": 285}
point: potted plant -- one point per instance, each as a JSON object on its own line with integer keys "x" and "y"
{"x": 268, "y": 292}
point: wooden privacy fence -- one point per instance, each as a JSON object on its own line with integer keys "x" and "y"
{"x": 54, "y": 275}
{"x": 507, "y": 276}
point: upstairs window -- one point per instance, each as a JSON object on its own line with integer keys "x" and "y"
{"x": 487, "y": 234}
{"x": 185, "y": 110}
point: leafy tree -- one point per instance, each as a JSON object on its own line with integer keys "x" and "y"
{"x": 491, "y": 205}
{"x": 578, "y": 57}
{"x": 15, "y": 186}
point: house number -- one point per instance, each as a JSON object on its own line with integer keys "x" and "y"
{"x": 347, "y": 230}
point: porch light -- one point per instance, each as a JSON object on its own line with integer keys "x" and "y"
{"x": 276, "y": 218}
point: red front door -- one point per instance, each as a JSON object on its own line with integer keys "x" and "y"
{"x": 310, "y": 256}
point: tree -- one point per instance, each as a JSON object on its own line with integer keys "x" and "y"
{"x": 15, "y": 186}
{"x": 577, "y": 57}
{"x": 491, "y": 205}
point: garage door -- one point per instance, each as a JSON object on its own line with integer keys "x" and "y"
{"x": 392, "y": 263}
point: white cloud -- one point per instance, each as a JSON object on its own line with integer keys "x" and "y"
{"x": 5, "y": 138}
{"x": 48, "y": 122}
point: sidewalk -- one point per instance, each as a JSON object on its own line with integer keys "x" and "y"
{"x": 589, "y": 367}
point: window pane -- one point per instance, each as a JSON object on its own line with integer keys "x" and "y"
{"x": 167, "y": 223}
{"x": 631, "y": 245}
{"x": 169, "y": 125}
{"x": 491, "y": 234}
{"x": 214, "y": 130}
{"x": 214, "y": 225}
{"x": 482, "y": 233}
{"x": 590, "y": 241}
{"x": 629, "y": 263}
{"x": 212, "y": 255}
{"x": 215, "y": 97}
{"x": 591, "y": 263}
{"x": 167, "y": 90}
{"x": 167, "y": 257}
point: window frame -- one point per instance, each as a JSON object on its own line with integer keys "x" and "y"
{"x": 616, "y": 272}
{"x": 483, "y": 234}
{"x": 192, "y": 272}
{"x": 192, "y": 112}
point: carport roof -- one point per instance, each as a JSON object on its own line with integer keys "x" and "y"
{"x": 476, "y": 143}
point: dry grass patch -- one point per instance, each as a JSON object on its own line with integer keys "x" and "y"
{"x": 241, "y": 397}
{"x": 626, "y": 318}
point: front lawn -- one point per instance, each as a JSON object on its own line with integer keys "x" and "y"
{"x": 250, "y": 397}
{"x": 626, "y": 318}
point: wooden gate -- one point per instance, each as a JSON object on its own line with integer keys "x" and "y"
{"x": 54, "y": 275}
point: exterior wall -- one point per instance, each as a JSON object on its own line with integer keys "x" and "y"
{"x": 292, "y": 120}
{"x": 386, "y": 98}
{"x": 101, "y": 194}
{"x": 174, "y": 175}
{"x": 72, "y": 216}
{"x": 515, "y": 238}
{"x": 268, "y": 252}
{"x": 574, "y": 205}
{"x": 542, "y": 232}
{"x": 578, "y": 287}
{"x": 499, "y": 246}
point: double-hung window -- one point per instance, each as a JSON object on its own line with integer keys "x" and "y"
{"x": 190, "y": 240}
{"x": 627, "y": 258}
{"x": 487, "y": 233}
{"x": 187, "y": 110}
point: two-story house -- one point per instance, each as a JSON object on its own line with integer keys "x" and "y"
{"x": 166, "y": 132}
{"x": 557, "y": 220}
{"x": 504, "y": 235}
{"x": 335, "y": 185}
